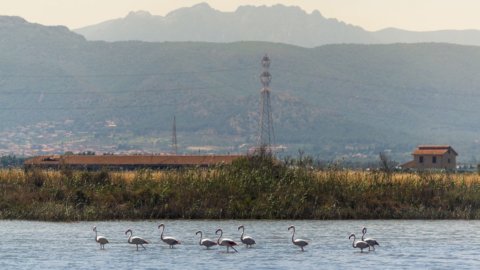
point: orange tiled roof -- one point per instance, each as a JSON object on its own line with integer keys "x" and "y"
{"x": 434, "y": 146}
{"x": 434, "y": 150}
{"x": 120, "y": 160}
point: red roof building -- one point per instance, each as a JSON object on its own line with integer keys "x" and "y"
{"x": 433, "y": 157}
{"x": 128, "y": 161}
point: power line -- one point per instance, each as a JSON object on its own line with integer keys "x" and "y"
{"x": 80, "y": 92}
{"x": 24, "y": 92}
{"x": 90, "y": 108}
{"x": 122, "y": 74}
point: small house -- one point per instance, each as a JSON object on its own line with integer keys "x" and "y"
{"x": 432, "y": 157}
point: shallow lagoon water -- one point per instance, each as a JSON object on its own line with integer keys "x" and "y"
{"x": 403, "y": 245}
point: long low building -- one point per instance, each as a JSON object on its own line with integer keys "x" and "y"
{"x": 128, "y": 162}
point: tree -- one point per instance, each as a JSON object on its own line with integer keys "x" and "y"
{"x": 386, "y": 165}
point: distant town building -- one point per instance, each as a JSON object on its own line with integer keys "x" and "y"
{"x": 127, "y": 162}
{"x": 432, "y": 157}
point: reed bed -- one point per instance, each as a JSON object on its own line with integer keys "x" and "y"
{"x": 251, "y": 188}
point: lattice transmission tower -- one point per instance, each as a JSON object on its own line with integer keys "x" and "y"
{"x": 266, "y": 137}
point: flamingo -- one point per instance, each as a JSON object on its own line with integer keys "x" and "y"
{"x": 135, "y": 240}
{"x": 229, "y": 243}
{"x": 100, "y": 239}
{"x": 298, "y": 242}
{"x": 205, "y": 241}
{"x": 167, "y": 239}
{"x": 359, "y": 244}
{"x": 372, "y": 242}
{"x": 247, "y": 240}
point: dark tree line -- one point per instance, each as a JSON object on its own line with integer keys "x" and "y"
{"x": 11, "y": 161}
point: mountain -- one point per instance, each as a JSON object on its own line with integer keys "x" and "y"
{"x": 60, "y": 92}
{"x": 278, "y": 23}
{"x": 393, "y": 35}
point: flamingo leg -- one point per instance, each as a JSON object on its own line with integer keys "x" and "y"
{"x": 137, "y": 247}
{"x": 235, "y": 249}
{"x": 142, "y": 246}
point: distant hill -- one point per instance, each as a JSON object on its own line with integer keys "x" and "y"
{"x": 332, "y": 101}
{"x": 278, "y": 23}
{"x": 393, "y": 35}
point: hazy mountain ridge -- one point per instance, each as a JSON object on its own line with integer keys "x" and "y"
{"x": 332, "y": 100}
{"x": 277, "y": 23}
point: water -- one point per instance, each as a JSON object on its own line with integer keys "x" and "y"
{"x": 403, "y": 245}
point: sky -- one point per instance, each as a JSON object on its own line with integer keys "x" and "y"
{"x": 417, "y": 15}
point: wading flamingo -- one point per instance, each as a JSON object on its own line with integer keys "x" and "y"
{"x": 247, "y": 240}
{"x": 372, "y": 242}
{"x": 167, "y": 239}
{"x": 359, "y": 244}
{"x": 229, "y": 243}
{"x": 298, "y": 242}
{"x": 100, "y": 239}
{"x": 205, "y": 241}
{"x": 135, "y": 240}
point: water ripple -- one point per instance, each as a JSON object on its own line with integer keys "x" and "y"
{"x": 415, "y": 244}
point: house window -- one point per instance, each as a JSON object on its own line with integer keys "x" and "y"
{"x": 448, "y": 160}
{"x": 420, "y": 159}
{"x": 434, "y": 159}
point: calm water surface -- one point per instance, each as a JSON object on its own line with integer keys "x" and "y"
{"x": 403, "y": 245}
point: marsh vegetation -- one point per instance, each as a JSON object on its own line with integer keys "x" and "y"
{"x": 251, "y": 188}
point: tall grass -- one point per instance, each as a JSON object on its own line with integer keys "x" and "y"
{"x": 251, "y": 188}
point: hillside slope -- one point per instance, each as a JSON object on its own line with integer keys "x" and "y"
{"x": 334, "y": 100}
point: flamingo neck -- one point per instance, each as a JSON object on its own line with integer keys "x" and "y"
{"x": 201, "y": 236}
{"x": 243, "y": 232}
{"x": 293, "y": 236}
{"x": 218, "y": 240}
{"x": 363, "y": 235}
{"x": 130, "y": 238}
{"x": 161, "y": 235}
{"x": 353, "y": 243}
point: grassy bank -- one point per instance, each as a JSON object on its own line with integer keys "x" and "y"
{"x": 249, "y": 189}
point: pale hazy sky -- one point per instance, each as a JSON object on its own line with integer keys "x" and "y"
{"x": 369, "y": 14}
